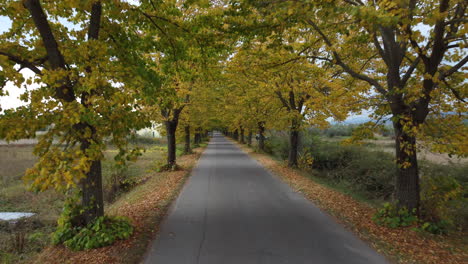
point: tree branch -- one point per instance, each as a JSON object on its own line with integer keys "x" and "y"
{"x": 410, "y": 70}
{"x": 454, "y": 69}
{"x": 345, "y": 67}
{"x": 22, "y": 63}
{"x": 55, "y": 57}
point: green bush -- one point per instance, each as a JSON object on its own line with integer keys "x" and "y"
{"x": 102, "y": 232}
{"x": 277, "y": 145}
{"x": 339, "y": 130}
{"x": 372, "y": 173}
{"x": 145, "y": 140}
{"x": 444, "y": 197}
{"x": 392, "y": 216}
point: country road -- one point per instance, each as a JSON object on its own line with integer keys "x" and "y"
{"x": 233, "y": 211}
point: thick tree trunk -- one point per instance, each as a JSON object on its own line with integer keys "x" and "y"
{"x": 236, "y": 135}
{"x": 171, "y": 127}
{"x": 92, "y": 198}
{"x": 91, "y": 186}
{"x": 187, "y": 148}
{"x": 242, "y": 137}
{"x": 261, "y": 136}
{"x": 249, "y": 138}
{"x": 407, "y": 180}
{"x": 293, "y": 147}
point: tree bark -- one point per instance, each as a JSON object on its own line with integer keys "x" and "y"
{"x": 92, "y": 198}
{"x": 196, "y": 137}
{"x": 171, "y": 126}
{"x": 407, "y": 180}
{"x": 187, "y": 148}
{"x": 236, "y": 135}
{"x": 242, "y": 137}
{"x": 249, "y": 138}
{"x": 261, "y": 136}
{"x": 293, "y": 147}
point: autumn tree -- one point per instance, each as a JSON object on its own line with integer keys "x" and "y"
{"x": 410, "y": 52}
{"x": 75, "y": 50}
{"x": 419, "y": 47}
{"x": 307, "y": 92}
{"x": 187, "y": 38}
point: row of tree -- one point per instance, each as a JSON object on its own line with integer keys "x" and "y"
{"x": 106, "y": 68}
{"x": 303, "y": 62}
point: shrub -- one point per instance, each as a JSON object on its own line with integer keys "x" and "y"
{"x": 339, "y": 130}
{"x": 443, "y": 197}
{"x": 392, "y": 216}
{"x": 277, "y": 145}
{"x": 102, "y": 232}
{"x": 369, "y": 172}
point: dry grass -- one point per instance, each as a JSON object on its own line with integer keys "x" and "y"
{"x": 15, "y": 196}
{"x": 401, "y": 245}
{"x": 424, "y": 153}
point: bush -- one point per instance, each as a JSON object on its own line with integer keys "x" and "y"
{"x": 443, "y": 197}
{"x": 371, "y": 173}
{"x": 145, "y": 140}
{"x": 277, "y": 145}
{"x": 102, "y": 232}
{"x": 339, "y": 130}
{"x": 392, "y": 216}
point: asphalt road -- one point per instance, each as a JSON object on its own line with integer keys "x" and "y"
{"x": 232, "y": 211}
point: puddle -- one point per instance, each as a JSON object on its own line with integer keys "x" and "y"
{"x": 9, "y": 216}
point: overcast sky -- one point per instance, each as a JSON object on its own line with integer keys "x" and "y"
{"x": 12, "y": 100}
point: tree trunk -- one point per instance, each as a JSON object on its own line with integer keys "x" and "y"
{"x": 407, "y": 180}
{"x": 293, "y": 147}
{"x": 196, "y": 137}
{"x": 187, "y": 148}
{"x": 249, "y": 138}
{"x": 92, "y": 198}
{"x": 242, "y": 138}
{"x": 236, "y": 135}
{"x": 171, "y": 126}
{"x": 91, "y": 186}
{"x": 261, "y": 136}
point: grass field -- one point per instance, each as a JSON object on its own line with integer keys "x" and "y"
{"x": 387, "y": 144}
{"x": 23, "y": 239}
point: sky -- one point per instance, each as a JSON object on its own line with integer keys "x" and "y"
{"x": 12, "y": 100}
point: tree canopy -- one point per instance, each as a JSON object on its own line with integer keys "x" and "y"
{"x": 107, "y": 68}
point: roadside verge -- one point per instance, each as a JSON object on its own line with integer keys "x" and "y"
{"x": 145, "y": 206}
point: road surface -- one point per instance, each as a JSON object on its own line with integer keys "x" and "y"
{"x": 232, "y": 211}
